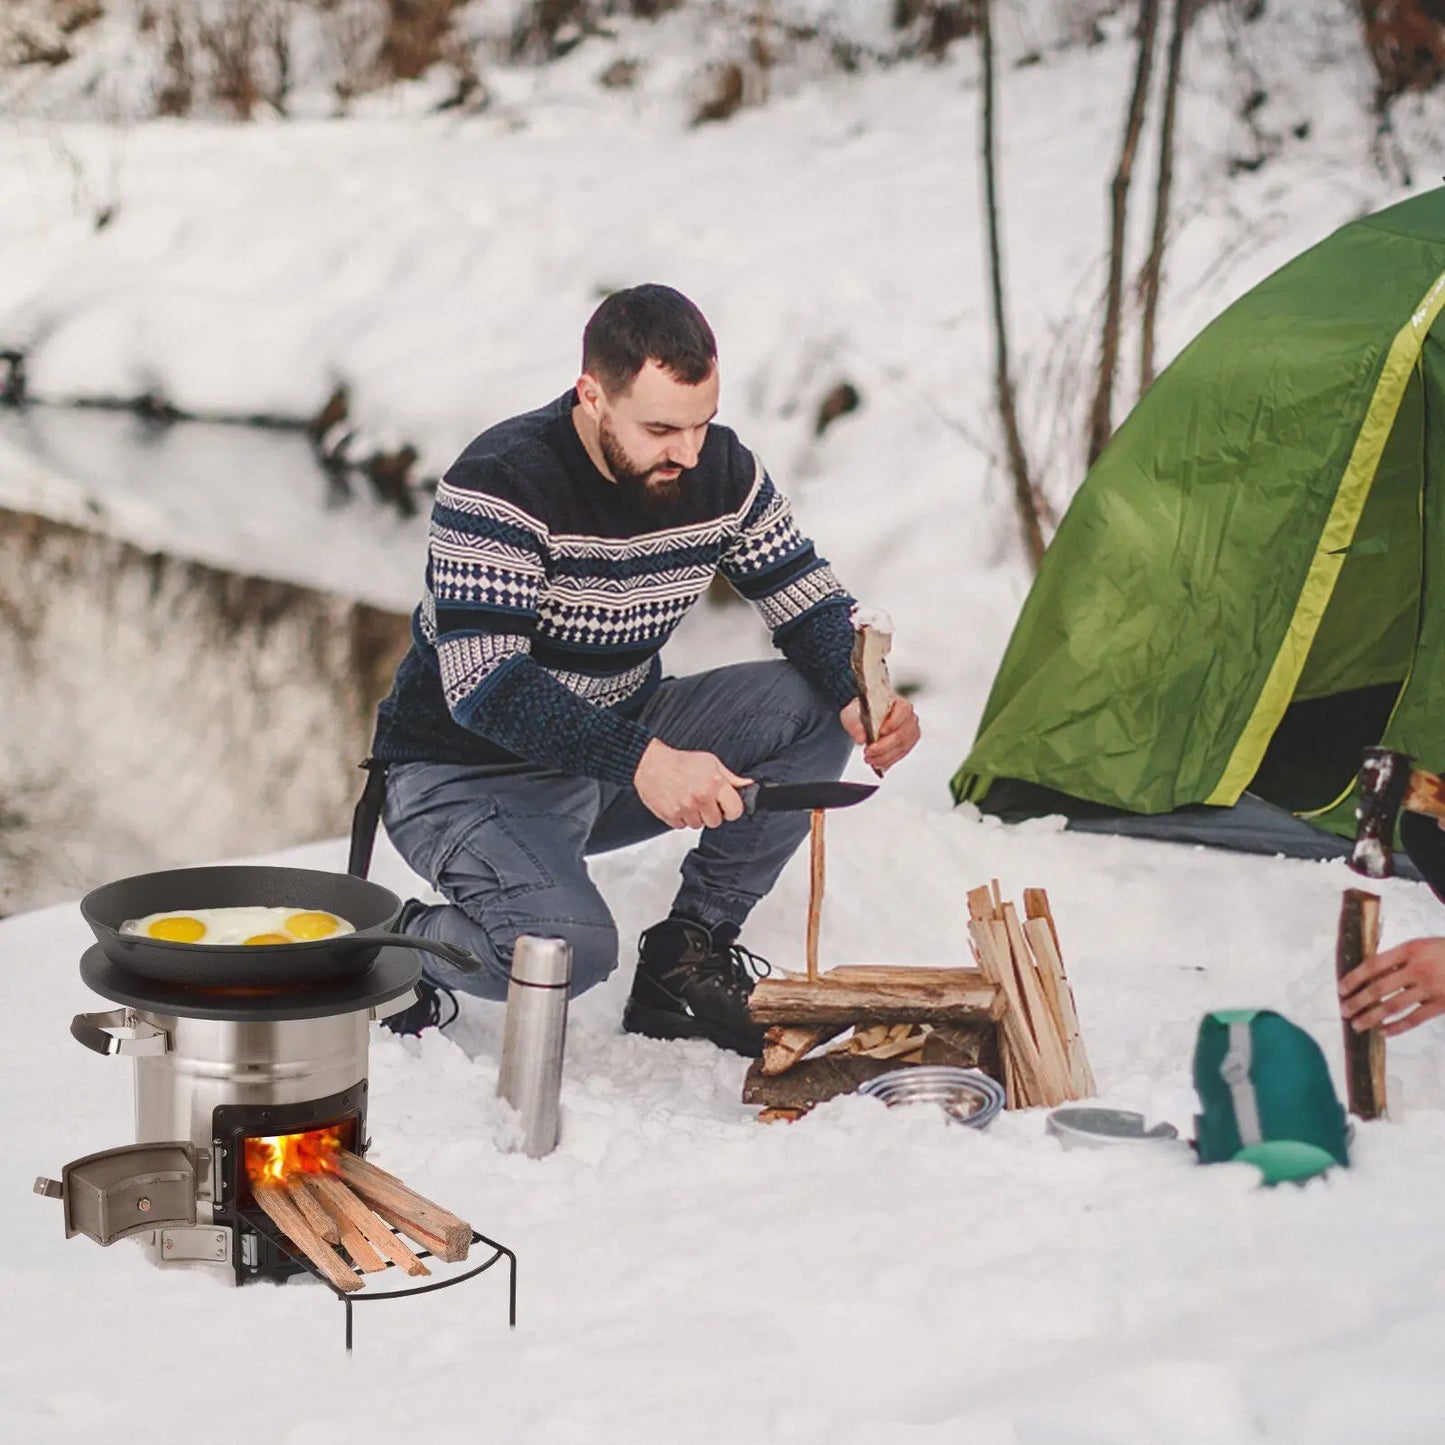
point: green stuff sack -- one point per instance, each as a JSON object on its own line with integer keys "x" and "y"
{"x": 1265, "y": 1097}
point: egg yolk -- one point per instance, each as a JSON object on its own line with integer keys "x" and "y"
{"x": 180, "y": 929}
{"x": 308, "y": 926}
{"x": 268, "y": 938}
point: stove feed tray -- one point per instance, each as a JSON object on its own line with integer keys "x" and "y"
{"x": 393, "y": 972}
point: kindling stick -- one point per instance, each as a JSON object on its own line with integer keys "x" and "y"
{"x": 274, "y": 1200}
{"x": 815, "y": 890}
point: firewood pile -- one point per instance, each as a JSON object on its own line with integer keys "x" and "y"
{"x": 352, "y": 1205}
{"x": 1012, "y": 1016}
{"x": 892, "y": 1016}
{"x": 1044, "y": 1061}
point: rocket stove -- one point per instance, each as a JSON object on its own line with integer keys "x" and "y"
{"x": 221, "y": 1072}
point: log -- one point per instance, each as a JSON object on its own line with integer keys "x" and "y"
{"x": 301, "y": 1196}
{"x": 1041, "y": 934}
{"x": 783, "y": 1046}
{"x": 376, "y": 1187}
{"x": 345, "y": 1205}
{"x": 870, "y": 674}
{"x": 1054, "y": 1075}
{"x": 364, "y": 1255}
{"x": 1036, "y": 905}
{"x": 1018, "y": 1041}
{"x": 273, "y": 1200}
{"x": 966, "y": 1046}
{"x": 815, "y": 889}
{"x": 916, "y": 996}
{"x": 1358, "y": 938}
{"x": 444, "y": 1251}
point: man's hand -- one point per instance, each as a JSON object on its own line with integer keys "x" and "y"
{"x": 1397, "y": 989}
{"x": 896, "y": 738}
{"x": 687, "y": 790}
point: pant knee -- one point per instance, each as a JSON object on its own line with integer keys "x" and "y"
{"x": 593, "y": 944}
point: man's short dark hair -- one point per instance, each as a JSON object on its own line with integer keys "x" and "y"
{"x": 642, "y": 324}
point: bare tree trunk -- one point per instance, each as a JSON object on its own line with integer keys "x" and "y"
{"x": 1100, "y": 423}
{"x": 1153, "y": 267}
{"x": 1026, "y": 498}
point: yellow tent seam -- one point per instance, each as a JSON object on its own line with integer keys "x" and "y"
{"x": 1329, "y": 558}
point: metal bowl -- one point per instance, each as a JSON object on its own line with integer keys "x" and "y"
{"x": 1087, "y": 1127}
{"x": 966, "y": 1096}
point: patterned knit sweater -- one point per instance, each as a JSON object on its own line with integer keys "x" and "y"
{"x": 550, "y": 592}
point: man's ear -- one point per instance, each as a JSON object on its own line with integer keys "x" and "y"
{"x": 589, "y": 395}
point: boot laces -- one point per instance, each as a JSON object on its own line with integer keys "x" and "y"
{"x": 740, "y": 968}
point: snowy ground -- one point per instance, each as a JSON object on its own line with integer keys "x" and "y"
{"x": 690, "y": 1275}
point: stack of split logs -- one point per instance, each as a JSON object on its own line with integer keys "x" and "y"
{"x": 356, "y": 1206}
{"x": 1043, "y": 1053}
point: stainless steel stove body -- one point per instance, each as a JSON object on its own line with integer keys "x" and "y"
{"x": 213, "y": 1068}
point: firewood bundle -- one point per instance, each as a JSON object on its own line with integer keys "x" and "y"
{"x": 351, "y": 1205}
{"x": 1043, "y": 1053}
{"x": 897, "y": 1016}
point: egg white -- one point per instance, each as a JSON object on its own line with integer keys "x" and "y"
{"x": 233, "y": 925}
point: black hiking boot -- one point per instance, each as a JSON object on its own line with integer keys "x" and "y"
{"x": 693, "y": 983}
{"x": 430, "y": 1011}
{"x": 433, "y": 999}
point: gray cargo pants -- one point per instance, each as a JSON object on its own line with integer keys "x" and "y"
{"x": 507, "y": 844}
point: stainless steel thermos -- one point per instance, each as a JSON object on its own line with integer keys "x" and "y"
{"x": 533, "y": 1038}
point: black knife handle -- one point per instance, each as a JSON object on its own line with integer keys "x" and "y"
{"x": 749, "y": 794}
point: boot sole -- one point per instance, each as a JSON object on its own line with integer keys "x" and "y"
{"x": 656, "y": 1023}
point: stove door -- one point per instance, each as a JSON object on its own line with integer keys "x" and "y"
{"x": 124, "y": 1191}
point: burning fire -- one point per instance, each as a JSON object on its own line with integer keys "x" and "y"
{"x": 272, "y": 1158}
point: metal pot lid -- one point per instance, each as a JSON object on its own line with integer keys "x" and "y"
{"x": 1098, "y": 1128}
{"x": 393, "y": 972}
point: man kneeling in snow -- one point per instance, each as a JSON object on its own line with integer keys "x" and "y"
{"x": 530, "y": 724}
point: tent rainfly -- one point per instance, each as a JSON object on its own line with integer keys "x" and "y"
{"x": 1245, "y": 591}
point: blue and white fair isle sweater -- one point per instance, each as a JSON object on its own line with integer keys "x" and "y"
{"x": 550, "y": 592}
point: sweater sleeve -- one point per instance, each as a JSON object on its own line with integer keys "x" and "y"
{"x": 777, "y": 569}
{"x": 486, "y": 563}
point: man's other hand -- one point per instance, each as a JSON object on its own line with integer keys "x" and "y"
{"x": 896, "y": 738}
{"x": 687, "y": 790}
{"x": 1397, "y": 989}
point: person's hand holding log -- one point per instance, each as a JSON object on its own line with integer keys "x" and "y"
{"x": 897, "y": 736}
{"x": 1398, "y": 989}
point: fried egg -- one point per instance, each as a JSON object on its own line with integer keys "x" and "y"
{"x": 259, "y": 926}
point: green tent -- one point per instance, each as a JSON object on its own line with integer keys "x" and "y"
{"x": 1240, "y": 597}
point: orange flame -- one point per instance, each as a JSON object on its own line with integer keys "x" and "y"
{"x": 272, "y": 1158}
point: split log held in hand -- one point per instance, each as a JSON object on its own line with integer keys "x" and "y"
{"x": 1358, "y": 939}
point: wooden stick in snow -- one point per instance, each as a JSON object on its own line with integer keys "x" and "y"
{"x": 815, "y": 890}
{"x": 1041, "y": 935}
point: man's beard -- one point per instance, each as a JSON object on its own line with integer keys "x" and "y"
{"x": 649, "y": 491}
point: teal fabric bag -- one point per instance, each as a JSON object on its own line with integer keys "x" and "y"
{"x": 1266, "y": 1097}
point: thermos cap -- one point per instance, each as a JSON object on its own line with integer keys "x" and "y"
{"x": 541, "y": 962}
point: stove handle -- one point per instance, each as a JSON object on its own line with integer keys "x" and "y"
{"x": 94, "y": 1031}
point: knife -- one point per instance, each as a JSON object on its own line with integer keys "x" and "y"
{"x": 802, "y": 797}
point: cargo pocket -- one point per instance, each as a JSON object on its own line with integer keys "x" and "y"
{"x": 492, "y": 858}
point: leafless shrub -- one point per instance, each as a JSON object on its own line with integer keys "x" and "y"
{"x": 416, "y": 36}
{"x": 1405, "y": 40}
{"x": 938, "y": 23}
{"x": 722, "y": 93}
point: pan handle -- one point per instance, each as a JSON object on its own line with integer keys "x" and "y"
{"x": 94, "y": 1031}
{"x": 457, "y": 957}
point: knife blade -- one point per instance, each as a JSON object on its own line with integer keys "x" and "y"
{"x": 802, "y": 797}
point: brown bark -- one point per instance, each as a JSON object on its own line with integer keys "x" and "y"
{"x": 1027, "y": 502}
{"x": 1153, "y": 267}
{"x": 1101, "y": 412}
{"x": 1358, "y": 939}
{"x": 874, "y": 995}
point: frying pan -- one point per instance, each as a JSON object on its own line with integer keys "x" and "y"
{"x": 369, "y": 908}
